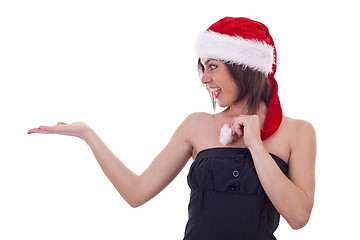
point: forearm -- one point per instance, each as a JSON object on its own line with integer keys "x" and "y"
{"x": 290, "y": 201}
{"x": 125, "y": 181}
{"x": 136, "y": 190}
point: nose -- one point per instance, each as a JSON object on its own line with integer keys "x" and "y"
{"x": 205, "y": 79}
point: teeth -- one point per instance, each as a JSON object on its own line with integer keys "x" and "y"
{"x": 214, "y": 90}
{"x": 217, "y": 92}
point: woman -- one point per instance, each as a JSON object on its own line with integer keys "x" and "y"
{"x": 238, "y": 191}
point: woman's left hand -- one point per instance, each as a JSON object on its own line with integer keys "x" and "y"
{"x": 248, "y": 127}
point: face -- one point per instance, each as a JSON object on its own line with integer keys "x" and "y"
{"x": 217, "y": 78}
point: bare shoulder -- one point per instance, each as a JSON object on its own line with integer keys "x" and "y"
{"x": 193, "y": 122}
{"x": 297, "y": 127}
{"x": 199, "y": 116}
{"x": 302, "y": 137}
{"x": 193, "y": 126}
{"x": 194, "y": 119}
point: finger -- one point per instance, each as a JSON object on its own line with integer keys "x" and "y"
{"x": 238, "y": 128}
{"x": 62, "y": 123}
{"x": 35, "y": 130}
{"x": 231, "y": 126}
{"x": 239, "y": 132}
{"x": 41, "y": 129}
{"x": 237, "y": 125}
{"x": 49, "y": 129}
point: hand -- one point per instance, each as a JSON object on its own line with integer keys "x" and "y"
{"x": 248, "y": 127}
{"x": 76, "y": 129}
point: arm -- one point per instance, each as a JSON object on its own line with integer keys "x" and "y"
{"x": 293, "y": 197}
{"x": 136, "y": 190}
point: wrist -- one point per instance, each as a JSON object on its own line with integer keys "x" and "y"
{"x": 256, "y": 147}
{"x": 87, "y": 133}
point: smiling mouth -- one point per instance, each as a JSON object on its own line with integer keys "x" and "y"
{"x": 215, "y": 91}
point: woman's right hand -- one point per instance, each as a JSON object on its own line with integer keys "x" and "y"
{"x": 76, "y": 129}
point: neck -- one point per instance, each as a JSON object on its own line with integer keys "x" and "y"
{"x": 237, "y": 109}
{"x": 240, "y": 108}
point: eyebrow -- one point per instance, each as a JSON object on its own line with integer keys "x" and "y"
{"x": 207, "y": 61}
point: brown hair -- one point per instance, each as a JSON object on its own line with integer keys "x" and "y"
{"x": 253, "y": 85}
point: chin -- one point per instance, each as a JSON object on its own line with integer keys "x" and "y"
{"x": 223, "y": 105}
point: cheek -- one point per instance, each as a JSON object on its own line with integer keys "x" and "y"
{"x": 230, "y": 95}
{"x": 236, "y": 89}
{"x": 233, "y": 90}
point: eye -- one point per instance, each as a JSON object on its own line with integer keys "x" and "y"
{"x": 212, "y": 66}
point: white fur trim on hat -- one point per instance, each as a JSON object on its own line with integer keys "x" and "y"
{"x": 250, "y": 53}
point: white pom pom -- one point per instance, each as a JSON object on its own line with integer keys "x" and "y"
{"x": 225, "y": 135}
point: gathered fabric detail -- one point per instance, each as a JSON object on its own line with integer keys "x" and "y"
{"x": 227, "y": 200}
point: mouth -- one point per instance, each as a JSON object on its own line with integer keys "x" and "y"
{"x": 215, "y": 91}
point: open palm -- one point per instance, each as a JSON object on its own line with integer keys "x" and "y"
{"x": 76, "y": 129}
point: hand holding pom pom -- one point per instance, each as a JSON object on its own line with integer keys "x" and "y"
{"x": 225, "y": 135}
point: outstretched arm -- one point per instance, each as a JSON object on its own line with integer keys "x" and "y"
{"x": 135, "y": 189}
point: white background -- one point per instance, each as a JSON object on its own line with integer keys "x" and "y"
{"x": 128, "y": 70}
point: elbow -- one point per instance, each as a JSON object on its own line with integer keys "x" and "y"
{"x": 299, "y": 221}
{"x": 298, "y": 225}
{"x": 298, "y": 218}
{"x": 134, "y": 203}
{"x": 133, "y": 200}
{"x": 132, "y": 194}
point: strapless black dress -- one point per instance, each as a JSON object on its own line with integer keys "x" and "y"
{"x": 227, "y": 201}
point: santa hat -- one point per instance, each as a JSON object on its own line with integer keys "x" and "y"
{"x": 245, "y": 42}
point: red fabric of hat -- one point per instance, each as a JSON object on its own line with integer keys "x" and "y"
{"x": 249, "y": 43}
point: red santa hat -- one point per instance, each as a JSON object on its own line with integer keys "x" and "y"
{"x": 245, "y": 42}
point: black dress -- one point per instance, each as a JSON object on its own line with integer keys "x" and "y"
{"x": 227, "y": 201}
